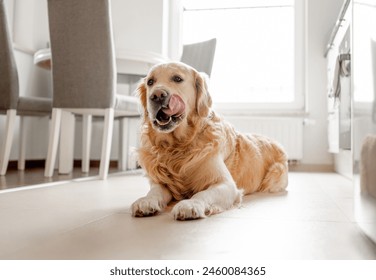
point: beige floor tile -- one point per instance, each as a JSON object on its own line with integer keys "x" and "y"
{"x": 121, "y": 237}
{"x": 32, "y": 215}
{"x": 91, "y": 219}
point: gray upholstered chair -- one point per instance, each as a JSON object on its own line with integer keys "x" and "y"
{"x": 11, "y": 104}
{"x": 84, "y": 71}
{"x": 200, "y": 55}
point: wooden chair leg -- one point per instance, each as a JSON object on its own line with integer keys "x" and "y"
{"x": 53, "y": 142}
{"x": 86, "y": 142}
{"x": 106, "y": 143}
{"x": 7, "y": 144}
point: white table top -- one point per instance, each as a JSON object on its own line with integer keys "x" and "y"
{"x": 128, "y": 62}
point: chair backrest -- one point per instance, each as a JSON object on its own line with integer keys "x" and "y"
{"x": 200, "y": 55}
{"x": 83, "y": 56}
{"x": 8, "y": 68}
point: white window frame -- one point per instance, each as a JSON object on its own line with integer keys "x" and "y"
{"x": 298, "y": 106}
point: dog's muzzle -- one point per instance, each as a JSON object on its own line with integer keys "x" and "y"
{"x": 169, "y": 109}
{"x": 173, "y": 110}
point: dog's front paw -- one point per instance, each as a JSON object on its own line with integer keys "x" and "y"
{"x": 189, "y": 209}
{"x": 147, "y": 206}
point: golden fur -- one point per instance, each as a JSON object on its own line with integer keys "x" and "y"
{"x": 203, "y": 150}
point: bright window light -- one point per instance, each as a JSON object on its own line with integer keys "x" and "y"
{"x": 254, "y": 59}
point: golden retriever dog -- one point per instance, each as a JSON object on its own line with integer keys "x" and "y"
{"x": 191, "y": 155}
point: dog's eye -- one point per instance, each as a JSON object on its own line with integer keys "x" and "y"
{"x": 177, "y": 79}
{"x": 150, "y": 82}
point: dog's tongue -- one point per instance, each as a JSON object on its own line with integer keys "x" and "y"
{"x": 176, "y": 106}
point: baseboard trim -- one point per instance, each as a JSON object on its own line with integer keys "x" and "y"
{"x": 40, "y": 163}
{"x": 321, "y": 168}
{"x": 324, "y": 168}
{"x": 34, "y": 163}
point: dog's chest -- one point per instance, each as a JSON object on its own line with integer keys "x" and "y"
{"x": 176, "y": 168}
{"x": 175, "y": 165}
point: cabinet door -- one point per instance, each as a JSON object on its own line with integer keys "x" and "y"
{"x": 364, "y": 114}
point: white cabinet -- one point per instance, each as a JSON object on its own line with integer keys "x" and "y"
{"x": 364, "y": 115}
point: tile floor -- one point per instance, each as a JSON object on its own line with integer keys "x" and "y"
{"x": 90, "y": 219}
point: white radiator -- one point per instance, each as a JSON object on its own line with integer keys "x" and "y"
{"x": 287, "y": 131}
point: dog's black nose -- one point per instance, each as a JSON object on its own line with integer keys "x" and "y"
{"x": 159, "y": 96}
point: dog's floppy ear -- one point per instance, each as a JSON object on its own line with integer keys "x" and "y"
{"x": 203, "y": 99}
{"x": 141, "y": 91}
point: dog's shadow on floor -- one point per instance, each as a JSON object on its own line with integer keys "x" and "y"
{"x": 262, "y": 196}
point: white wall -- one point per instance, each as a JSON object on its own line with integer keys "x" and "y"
{"x": 140, "y": 25}
{"x": 9, "y": 5}
{"x": 30, "y": 22}
{"x": 321, "y": 18}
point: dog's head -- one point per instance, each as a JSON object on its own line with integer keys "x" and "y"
{"x": 172, "y": 93}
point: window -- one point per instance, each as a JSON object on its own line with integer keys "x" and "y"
{"x": 255, "y": 61}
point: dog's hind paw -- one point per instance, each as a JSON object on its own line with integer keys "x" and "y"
{"x": 189, "y": 210}
{"x": 146, "y": 206}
